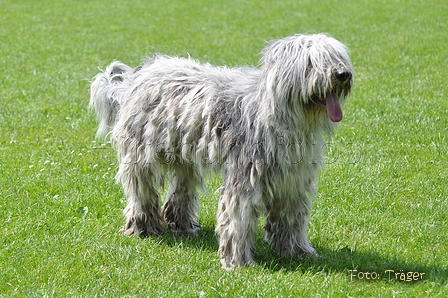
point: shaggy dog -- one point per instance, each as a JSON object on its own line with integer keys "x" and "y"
{"x": 262, "y": 127}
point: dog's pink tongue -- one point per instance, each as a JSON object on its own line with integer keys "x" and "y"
{"x": 334, "y": 110}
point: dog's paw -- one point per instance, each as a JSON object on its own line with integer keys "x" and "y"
{"x": 189, "y": 229}
{"x": 308, "y": 252}
{"x": 232, "y": 264}
{"x": 141, "y": 230}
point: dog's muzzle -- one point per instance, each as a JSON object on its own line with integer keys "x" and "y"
{"x": 341, "y": 77}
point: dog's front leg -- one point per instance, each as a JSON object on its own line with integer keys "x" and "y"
{"x": 286, "y": 226}
{"x": 237, "y": 219}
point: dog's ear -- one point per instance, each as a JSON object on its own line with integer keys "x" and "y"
{"x": 285, "y": 65}
{"x": 278, "y": 50}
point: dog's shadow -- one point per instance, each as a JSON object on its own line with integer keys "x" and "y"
{"x": 355, "y": 265}
{"x": 205, "y": 240}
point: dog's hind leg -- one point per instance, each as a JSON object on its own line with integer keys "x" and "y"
{"x": 143, "y": 209}
{"x": 286, "y": 226}
{"x": 181, "y": 205}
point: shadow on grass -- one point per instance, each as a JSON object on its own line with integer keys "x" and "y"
{"x": 205, "y": 240}
{"x": 356, "y": 265}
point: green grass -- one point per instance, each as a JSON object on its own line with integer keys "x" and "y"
{"x": 382, "y": 202}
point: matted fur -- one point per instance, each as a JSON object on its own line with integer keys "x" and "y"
{"x": 262, "y": 127}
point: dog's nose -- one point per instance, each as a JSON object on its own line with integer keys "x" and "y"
{"x": 343, "y": 75}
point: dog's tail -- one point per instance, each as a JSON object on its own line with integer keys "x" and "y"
{"x": 106, "y": 94}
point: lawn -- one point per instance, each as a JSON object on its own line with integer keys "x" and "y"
{"x": 380, "y": 221}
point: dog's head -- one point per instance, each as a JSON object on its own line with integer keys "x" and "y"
{"x": 313, "y": 71}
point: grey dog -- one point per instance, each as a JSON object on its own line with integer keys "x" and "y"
{"x": 174, "y": 119}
